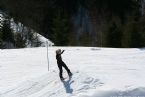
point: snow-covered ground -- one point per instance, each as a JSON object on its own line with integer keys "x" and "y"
{"x": 97, "y": 72}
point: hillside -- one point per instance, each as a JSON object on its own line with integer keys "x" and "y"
{"x": 97, "y": 23}
{"x": 97, "y": 72}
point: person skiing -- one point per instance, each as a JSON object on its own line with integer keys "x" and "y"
{"x": 61, "y": 64}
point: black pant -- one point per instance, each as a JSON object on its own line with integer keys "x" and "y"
{"x": 60, "y": 65}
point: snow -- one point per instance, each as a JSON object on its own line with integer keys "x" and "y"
{"x": 97, "y": 72}
{"x": 18, "y": 28}
{"x": 1, "y": 18}
{"x": 44, "y": 41}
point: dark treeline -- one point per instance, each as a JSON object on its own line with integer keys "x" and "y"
{"x": 115, "y": 23}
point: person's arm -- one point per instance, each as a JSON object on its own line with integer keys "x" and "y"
{"x": 62, "y": 52}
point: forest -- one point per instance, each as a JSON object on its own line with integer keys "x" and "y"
{"x": 101, "y": 23}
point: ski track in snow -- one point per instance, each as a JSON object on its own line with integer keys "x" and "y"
{"x": 97, "y": 72}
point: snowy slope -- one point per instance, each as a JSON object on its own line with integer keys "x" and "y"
{"x": 44, "y": 41}
{"x": 97, "y": 72}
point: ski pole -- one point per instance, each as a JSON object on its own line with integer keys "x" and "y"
{"x": 47, "y": 55}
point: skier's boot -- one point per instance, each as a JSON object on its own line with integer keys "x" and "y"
{"x": 61, "y": 78}
{"x": 70, "y": 74}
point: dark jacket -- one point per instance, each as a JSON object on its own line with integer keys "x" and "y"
{"x": 58, "y": 57}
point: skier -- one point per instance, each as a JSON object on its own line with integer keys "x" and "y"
{"x": 61, "y": 64}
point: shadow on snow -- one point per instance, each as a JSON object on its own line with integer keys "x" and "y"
{"x": 67, "y": 85}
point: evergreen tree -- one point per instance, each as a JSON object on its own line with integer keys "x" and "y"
{"x": 133, "y": 34}
{"x": 114, "y": 36}
{"x": 33, "y": 39}
{"x": 0, "y": 35}
{"x": 7, "y": 34}
{"x": 60, "y": 30}
{"x": 1, "y": 42}
{"x": 20, "y": 41}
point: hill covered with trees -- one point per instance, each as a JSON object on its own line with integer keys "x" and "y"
{"x": 107, "y": 23}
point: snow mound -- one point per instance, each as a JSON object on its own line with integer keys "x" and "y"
{"x": 40, "y": 87}
{"x": 80, "y": 85}
{"x": 138, "y": 92}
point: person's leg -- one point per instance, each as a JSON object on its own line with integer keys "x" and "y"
{"x": 67, "y": 69}
{"x": 60, "y": 71}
